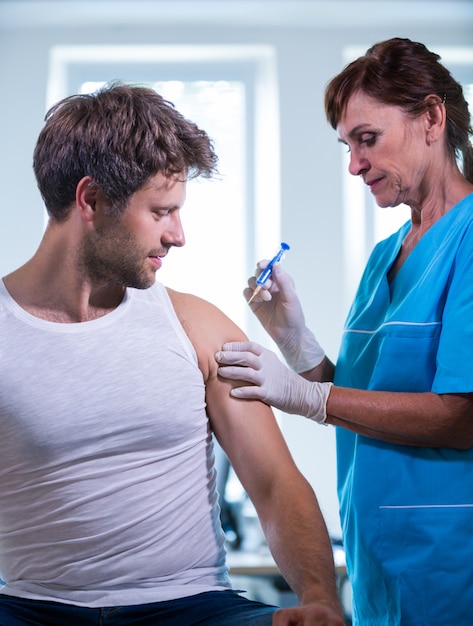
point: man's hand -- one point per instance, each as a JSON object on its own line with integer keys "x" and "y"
{"x": 307, "y": 615}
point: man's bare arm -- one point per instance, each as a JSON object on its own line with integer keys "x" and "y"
{"x": 248, "y": 432}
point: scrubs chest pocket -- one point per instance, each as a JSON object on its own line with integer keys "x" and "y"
{"x": 406, "y": 363}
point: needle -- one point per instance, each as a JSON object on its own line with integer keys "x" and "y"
{"x": 266, "y": 273}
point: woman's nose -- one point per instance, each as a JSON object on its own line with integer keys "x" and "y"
{"x": 358, "y": 164}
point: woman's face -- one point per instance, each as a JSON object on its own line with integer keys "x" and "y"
{"x": 388, "y": 149}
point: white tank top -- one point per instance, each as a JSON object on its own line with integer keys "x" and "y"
{"x": 107, "y": 486}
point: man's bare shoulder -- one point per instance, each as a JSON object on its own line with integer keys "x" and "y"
{"x": 182, "y": 301}
{"x": 207, "y": 327}
{"x": 193, "y": 310}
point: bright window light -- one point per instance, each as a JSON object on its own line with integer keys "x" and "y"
{"x": 231, "y": 92}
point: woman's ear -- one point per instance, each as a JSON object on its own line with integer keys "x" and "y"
{"x": 435, "y": 117}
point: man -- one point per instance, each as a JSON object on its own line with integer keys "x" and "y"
{"x": 109, "y": 396}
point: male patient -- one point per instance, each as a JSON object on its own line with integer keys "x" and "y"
{"x": 109, "y": 396}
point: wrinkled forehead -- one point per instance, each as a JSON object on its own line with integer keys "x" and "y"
{"x": 364, "y": 112}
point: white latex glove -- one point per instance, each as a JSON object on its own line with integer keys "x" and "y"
{"x": 278, "y": 309}
{"x": 272, "y": 381}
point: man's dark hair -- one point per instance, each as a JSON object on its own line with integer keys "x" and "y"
{"x": 120, "y": 136}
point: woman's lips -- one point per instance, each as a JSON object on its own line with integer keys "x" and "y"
{"x": 373, "y": 184}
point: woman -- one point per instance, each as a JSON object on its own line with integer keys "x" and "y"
{"x": 401, "y": 394}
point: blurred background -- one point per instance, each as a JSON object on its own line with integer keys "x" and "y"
{"x": 252, "y": 73}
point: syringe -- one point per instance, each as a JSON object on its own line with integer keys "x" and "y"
{"x": 266, "y": 273}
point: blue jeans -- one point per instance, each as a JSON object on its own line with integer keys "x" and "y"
{"x": 215, "y": 608}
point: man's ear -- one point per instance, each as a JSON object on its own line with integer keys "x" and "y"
{"x": 435, "y": 117}
{"x": 87, "y": 198}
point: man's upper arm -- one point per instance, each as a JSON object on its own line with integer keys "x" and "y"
{"x": 246, "y": 429}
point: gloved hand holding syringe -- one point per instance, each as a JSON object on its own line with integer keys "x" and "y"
{"x": 266, "y": 273}
{"x": 282, "y": 317}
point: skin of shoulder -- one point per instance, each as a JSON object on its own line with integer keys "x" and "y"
{"x": 246, "y": 429}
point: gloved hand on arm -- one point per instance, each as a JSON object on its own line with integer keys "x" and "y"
{"x": 271, "y": 381}
{"x": 278, "y": 309}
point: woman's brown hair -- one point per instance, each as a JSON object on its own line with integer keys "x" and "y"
{"x": 404, "y": 73}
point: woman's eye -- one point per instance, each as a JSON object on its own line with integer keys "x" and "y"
{"x": 370, "y": 140}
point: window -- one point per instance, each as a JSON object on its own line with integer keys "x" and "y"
{"x": 225, "y": 90}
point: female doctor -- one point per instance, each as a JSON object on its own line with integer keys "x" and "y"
{"x": 401, "y": 393}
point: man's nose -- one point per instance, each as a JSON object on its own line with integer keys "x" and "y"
{"x": 174, "y": 233}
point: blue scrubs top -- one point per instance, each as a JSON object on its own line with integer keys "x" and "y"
{"x": 407, "y": 512}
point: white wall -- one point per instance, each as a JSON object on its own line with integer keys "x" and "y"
{"x": 309, "y": 37}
